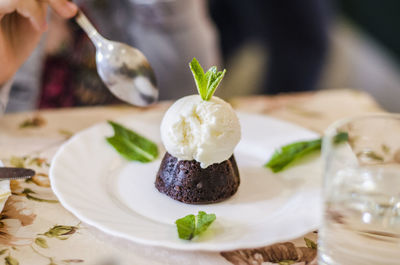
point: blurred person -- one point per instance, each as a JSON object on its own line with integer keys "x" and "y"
{"x": 294, "y": 35}
{"x": 169, "y": 33}
{"x": 22, "y": 24}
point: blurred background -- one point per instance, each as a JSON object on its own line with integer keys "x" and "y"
{"x": 267, "y": 47}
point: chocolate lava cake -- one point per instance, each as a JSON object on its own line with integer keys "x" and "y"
{"x": 187, "y": 182}
{"x": 200, "y": 133}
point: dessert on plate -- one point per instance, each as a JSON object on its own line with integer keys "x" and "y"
{"x": 200, "y": 133}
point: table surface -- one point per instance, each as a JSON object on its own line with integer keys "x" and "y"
{"x": 36, "y": 229}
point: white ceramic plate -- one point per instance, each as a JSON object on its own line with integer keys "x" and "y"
{"x": 5, "y": 191}
{"x": 102, "y": 189}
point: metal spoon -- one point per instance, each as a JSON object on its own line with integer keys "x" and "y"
{"x": 124, "y": 69}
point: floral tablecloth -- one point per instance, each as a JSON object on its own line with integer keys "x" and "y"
{"x": 36, "y": 229}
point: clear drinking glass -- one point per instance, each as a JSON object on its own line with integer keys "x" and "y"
{"x": 361, "y": 223}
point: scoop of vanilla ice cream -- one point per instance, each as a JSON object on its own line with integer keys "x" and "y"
{"x": 206, "y": 131}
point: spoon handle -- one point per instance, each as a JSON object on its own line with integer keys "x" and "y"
{"x": 15, "y": 173}
{"x": 88, "y": 27}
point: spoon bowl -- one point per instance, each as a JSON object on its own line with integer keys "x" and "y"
{"x": 125, "y": 70}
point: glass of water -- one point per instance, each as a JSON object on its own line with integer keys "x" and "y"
{"x": 361, "y": 223}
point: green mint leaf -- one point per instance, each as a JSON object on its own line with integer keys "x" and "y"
{"x": 207, "y": 82}
{"x": 191, "y": 226}
{"x": 288, "y": 153}
{"x": 209, "y": 75}
{"x": 199, "y": 77}
{"x": 214, "y": 84}
{"x": 132, "y": 145}
{"x": 186, "y": 226}
{"x": 204, "y": 220}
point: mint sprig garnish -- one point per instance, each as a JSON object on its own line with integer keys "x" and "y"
{"x": 207, "y": 82}
{"x": 132, "y": 145}
{"x": 288, "y": 153}
{"x": 191, "y": 226}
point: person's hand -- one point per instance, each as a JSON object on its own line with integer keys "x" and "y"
{"x": 22, "y": 23}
